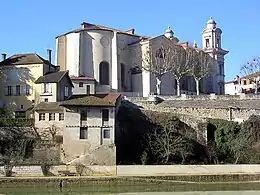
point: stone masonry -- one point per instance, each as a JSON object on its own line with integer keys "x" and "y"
{"x": 196, "y": 109}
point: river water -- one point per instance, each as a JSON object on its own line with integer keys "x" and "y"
{"x": 149, "y": 189}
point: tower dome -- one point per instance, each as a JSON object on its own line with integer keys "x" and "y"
{"x": 169, "y": 33}
{"x": 211, "y": 23}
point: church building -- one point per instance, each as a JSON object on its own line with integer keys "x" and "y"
{"x": 105, "y": 60}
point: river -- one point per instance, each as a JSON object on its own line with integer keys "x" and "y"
{"x": 149, "y": 189}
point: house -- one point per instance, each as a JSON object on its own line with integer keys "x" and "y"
{"x": 19, "y": 73}
{"x": 246, "y": 84}
{"x": 83, "y": 85}
{"x": 112, "y": 56}
{"x": 53, "y": 87}
{"x": 50, "y": 89}
{"x": 88, "y": 124}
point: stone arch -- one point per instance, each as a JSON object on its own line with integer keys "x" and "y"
{"x": 104, "y": 73}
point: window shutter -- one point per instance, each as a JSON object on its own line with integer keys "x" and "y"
{"x": 42, "y": 87}
{"x": 23, "y": 89}
{"x": 30, "y": 89}
{"x": 49, "y": 86}
{"x": 27, "y": 75}
{"x": 6, "y": 90}
{"x": 13, "y": 90}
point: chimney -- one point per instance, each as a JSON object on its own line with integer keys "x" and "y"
{"x": 3, "y": 56}
{"x": 131, "y": 31}
{"x": 49, "y": 55}
{"x": 83, "y": 25}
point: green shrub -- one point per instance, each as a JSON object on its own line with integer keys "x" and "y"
{"x": 80, "y": 168}
{"x": 46, "y": 169}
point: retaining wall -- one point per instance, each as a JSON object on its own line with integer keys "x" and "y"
{"x": 142, "y": 170}
{"x": 161, "y": 170}
{"x": 54, "y": 170}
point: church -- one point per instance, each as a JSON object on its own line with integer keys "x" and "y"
{"x": 105, "y": 60}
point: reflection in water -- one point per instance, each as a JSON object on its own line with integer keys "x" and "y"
{"x": 197, "y": 193}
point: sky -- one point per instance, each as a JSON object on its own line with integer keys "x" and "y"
{"x": 32, "y": 25}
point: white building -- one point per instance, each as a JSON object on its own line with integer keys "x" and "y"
{"x": 233, "y": 87}
{"x": 247, "y": 84}
{"x": 112, "y": 59}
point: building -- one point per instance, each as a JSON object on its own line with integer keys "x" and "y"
{"x": 247, "y": 84}
{"x": 112, "y": 58}
{"x": 86, "y": 122}
{"x": 53, "y": 87}
{"x": 50, "y": 89}
{"x": 19, "y": 72}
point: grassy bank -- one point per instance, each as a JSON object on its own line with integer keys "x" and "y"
{"x": 114, "y": 181}
{"x": 81, "y": 185}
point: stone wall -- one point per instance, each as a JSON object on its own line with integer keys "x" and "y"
{"x": 227, "y": 107}
{"x": 161, "y": 170}
{"x": 56, "y": 170}
{"x": 141, "y": 170}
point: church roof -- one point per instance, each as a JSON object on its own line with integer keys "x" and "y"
{"x": 89, "y": 26}
{"x": 24, "y": 59}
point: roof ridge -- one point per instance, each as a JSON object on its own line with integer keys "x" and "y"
{"x": 65, "y": 72}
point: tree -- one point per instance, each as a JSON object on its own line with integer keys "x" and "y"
{"x": 167, "y": 145}
{"x": 49, "y": 132}
{"x": 179, "y": 63}
{"x": 157, "y": 63}
{"x": 15, "y": 146}
{"x": 202, "y": 66}
{"x": 251, "y": 71}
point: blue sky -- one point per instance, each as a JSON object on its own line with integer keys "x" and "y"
{"x": 32, "y": 25}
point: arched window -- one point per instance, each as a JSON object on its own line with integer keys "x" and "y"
{"x": 122, "y": 75}
{"x": 104, "y": 73}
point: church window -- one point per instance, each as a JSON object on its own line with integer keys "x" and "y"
{"x": 220, "y": 69}
{"x": 104, "y": 73}
{"x": 122, "y": 76}
{"x": 218, "y": 43}
{"x": 160, "y": 53}
{"x": 207, "y": 43}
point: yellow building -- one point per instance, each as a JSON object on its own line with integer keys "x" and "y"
{"x": 18, "y": 74}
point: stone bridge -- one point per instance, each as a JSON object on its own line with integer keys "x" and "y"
{"x": 196, "y": 109}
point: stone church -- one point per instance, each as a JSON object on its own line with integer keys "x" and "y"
{"x": 105, "y": 60}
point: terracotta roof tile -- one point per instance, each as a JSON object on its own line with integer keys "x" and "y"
{"x": 24, "y": 59}
{"x": 48, "y": 106}
{"x": 95, "y": 100}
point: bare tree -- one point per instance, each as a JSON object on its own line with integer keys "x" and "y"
{"x": 166, "y": 144}
{"x": 156, "y": 62}
{"x": 202, "y": 65}
{"x": 47, "y": 133}
{"x": 179, "y": 63}
{"x": 251, "y": 71}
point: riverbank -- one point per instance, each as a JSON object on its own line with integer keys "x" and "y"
{"x": 115, "y": 185}
{"x": 130, "y": 180}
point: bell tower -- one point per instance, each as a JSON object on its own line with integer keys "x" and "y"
{"x": 211, "y": 44}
